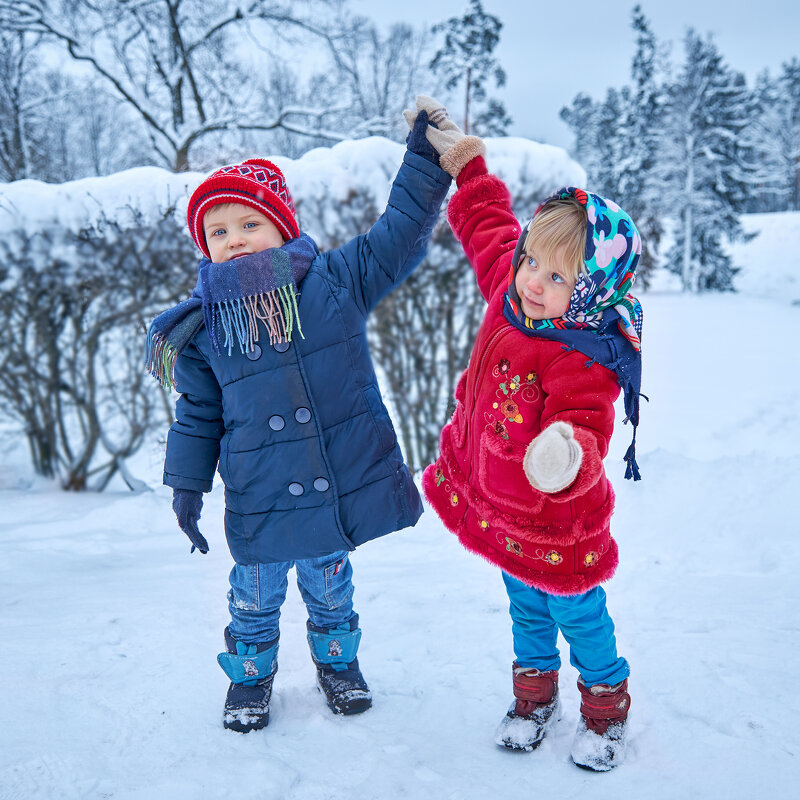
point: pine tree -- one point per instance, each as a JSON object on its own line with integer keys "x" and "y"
{"x": 642, "y": 123}
{"x": 466, "y": 55}
{"x": 763, "y": 140}
{"x": 580, "y": 116}
{"x": 617, "y": 142}
{"x": 702, "y": 167}
{"x": 789, "y": 99}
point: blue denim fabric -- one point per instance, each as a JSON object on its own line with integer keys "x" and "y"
{"x": 584, "y": 621}
{"x": 258, "y": 590}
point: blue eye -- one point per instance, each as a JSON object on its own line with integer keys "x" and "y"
{"x": 531, "y": 261}
{"x": 218, "y": 232}
{"x": 250, "y": 224}
{"x": 557, "y": 278}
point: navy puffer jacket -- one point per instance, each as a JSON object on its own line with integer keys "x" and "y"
{"x": 299, "y": 432}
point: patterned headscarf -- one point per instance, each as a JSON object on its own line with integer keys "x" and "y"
{"x": 612, "y": 251}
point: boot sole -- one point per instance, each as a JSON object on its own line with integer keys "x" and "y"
{"x": 239, "y": 728}
{"x": 350, "y": 710}
{"x": 231, "y": 723}
{"x": 516, "y": 747}
{"x": 593, "y": 769}
{"x": 358, "y": 705}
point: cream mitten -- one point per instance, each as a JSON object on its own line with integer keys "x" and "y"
{"x": 454, "y": 147}
{"x": 553, "y": 458}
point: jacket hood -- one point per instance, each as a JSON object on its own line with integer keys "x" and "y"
{"x": 612, "y": 251}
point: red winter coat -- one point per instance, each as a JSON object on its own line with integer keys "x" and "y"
{"x": 514, "y": 387}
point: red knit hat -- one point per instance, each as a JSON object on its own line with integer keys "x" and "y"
{"x": 257, "y": 183}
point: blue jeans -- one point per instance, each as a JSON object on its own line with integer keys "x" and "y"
{"x": 584, "y": 621}
{"x": 258, "y": 590}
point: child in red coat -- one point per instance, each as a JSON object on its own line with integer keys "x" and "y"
{"x": 520, "y": 478}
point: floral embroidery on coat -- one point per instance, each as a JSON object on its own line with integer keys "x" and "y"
{"x": 511, "y": 390}
{"x": 441, "y": 478}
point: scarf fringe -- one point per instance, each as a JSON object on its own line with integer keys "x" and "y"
{"x": 160, "y": 360}
{"x": 239, "y": 318}
{"x": 632, "y": 470}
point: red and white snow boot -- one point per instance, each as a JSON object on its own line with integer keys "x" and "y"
{"x": 535, "y": 708}
{"x": 599, "y": 742}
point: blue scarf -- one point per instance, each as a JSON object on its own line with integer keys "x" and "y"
{"x": 230, "y": 298}
{"x": 603, "y": 320}
{"x": 605, "y": 344}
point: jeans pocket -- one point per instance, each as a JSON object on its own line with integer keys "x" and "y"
{"x": 338, "y": 582}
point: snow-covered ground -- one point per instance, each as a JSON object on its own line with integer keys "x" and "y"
{"x": 110, "y": 688}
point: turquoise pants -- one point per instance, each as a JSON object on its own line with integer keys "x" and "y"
{"x": 584, "y": 622}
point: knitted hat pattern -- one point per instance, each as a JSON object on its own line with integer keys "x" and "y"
{"x": 257, "y": 183}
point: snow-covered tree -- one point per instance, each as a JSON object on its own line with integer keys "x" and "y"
{"x": 56, "y": 126}
{"x": 641, "y": 125}
{"x": 466, "y": 57}
{"x": 774, "y": 137}
{"x": 376, "y": 74}
{"x": 789, "y": 98}
{"x": 763, "y": 142}
{"x": 175, "y": 62}
{"x": 17, "y": 82}
{"x": 701, "y": 165}
{"x": 617, "y": 142}
{"x": 200, "y": 81}
{"x": 580, "y": 116}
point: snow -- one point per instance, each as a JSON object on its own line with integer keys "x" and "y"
{"x": 774, "y": 250}
{"x": 110, "y": 686}
{"x": 327, "y": 172}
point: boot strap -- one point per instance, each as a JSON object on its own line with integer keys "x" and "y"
{"x": 336, "y": 647}
{"x": 247, "y": 666}
{"x": 608, "y": 705}
{"x": 539, "y": 687}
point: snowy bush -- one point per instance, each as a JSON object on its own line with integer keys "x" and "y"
{"x": 87, "y": 264}
{"x": 73, "y": 306}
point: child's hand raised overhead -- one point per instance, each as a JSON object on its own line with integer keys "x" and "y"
{"x": 455, "y": 148}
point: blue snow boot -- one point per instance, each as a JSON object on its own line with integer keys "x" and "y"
{"x": 338, "y": 676}
{"x": 251, "y": 669}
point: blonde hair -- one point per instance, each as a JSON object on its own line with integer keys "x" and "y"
{"x": 560, "y": 223}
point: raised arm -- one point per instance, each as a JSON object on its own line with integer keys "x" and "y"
{"x": 376, "y": 262}
{"x": 481, "y": 218}
{"x": 480, "y": 211}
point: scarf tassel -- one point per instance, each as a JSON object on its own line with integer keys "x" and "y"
{"x": 632, "y": 470}
{"x": 239, "y": 318}
{"x": 160, "y": 360}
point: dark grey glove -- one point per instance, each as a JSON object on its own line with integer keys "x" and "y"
{"x": 417, "y": 142}
{"x": 187, "y": 505}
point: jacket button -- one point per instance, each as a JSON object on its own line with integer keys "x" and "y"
{"x": 255, "y": 353}
{"x": 276, "y": 422}
{"x": 302, "y": 415}
{"x": 281, "y": 347}
{"x": 296, "y": 489}
{"x": 321, "y": 485}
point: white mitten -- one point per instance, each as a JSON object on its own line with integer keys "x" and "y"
{"x": 553, "y": 458}
{"x": 454, "y": 147}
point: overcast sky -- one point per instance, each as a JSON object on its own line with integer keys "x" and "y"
{"x": 553, "y": 50}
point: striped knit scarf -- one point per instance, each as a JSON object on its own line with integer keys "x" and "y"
{"x": 231, "y": 298}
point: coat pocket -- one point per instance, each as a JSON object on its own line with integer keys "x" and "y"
{"x": 502, "y": 477}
